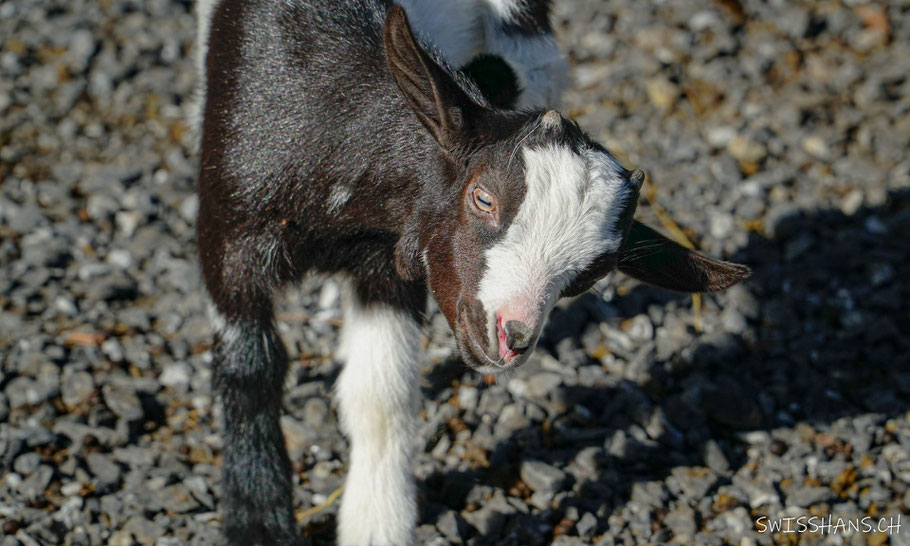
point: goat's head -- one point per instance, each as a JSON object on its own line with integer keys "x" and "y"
{"x": 532, "y": 210}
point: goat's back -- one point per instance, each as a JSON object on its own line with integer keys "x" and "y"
{"x": 302, "y": 111}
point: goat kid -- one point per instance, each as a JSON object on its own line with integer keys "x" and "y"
{"x": 335, "y": 141}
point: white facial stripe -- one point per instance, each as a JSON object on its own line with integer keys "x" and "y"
{"x": 568, "y": 218}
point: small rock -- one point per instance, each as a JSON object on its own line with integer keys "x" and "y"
{"x": 119, "y": 258}
{"x": 805, "y": 497}
{"x": 25, "y": 391}
{"x": 177, "y": 374}
{"x": 315, "y": 412}
{"x": 851, "y": 202}
{"x": 715, "y": 458}
{"x": 681, "y": 521}
{"x": 297, "y": 436}
{"x": 743, "y": 148}
{"x": 758, "y": 493}
{"x": 76, "y": 387}
{"x": 27, "y": 463}
{"x": 122, "y": 401}
{"x": 453, "y": 527}
{"x": 540, "y": 476}
{"x": 199, "y": 488}
{"x": 34, "y": 486}
{"x": 143, "y": 530}
{"x": 177, "y": 498}
{"x": 134, "y": 456}
{"x": 816, "y": 146}
{"x": 468, "y": 397}
{"x": 106, "y": 471}
{"x": 650, "y": 494}
{"x": 694, "y": 483}
{"x": 511, "y": 420}
{"x": 586, "y": 526}
{"x": 542, "y": 384}
{"x": 81, "y": 48}
{"x": 662, "y": 92}
{"x": 487, "y": 521}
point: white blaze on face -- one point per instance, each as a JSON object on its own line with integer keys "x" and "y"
{"x": 568, "y": 217}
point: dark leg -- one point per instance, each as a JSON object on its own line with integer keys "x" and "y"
{"x": 249, "y": 369}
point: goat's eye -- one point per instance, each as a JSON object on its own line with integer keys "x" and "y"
{"x": 483, "y": 200}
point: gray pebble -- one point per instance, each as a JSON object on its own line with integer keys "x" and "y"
{"x": 122, "y": 401}
{"x": 106, "y": 472}
{"x": 452, "y": 526}
{"x": 543, "y": 477}
{"x": 76, "y": 386}
{"x": 27, "y": 463}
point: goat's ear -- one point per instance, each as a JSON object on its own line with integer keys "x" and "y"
{"x": 432, "y": 93}
{"x": 599, "y": 268}
{"x": 650, "y": 257}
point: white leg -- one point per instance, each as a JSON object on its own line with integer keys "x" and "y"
{"x": 377, "y": 392}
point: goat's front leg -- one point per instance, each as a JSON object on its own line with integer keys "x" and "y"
{"x": 377, "y": 393}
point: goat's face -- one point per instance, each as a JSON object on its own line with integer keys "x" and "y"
{"x": 533, "y": 210}
{"x": 530, "y": 216}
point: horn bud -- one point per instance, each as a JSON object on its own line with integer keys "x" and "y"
{"x": 637, "y": 178}
{"x": 551, "y": 120}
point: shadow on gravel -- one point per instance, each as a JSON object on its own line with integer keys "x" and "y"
{"x": 825, "y": 336}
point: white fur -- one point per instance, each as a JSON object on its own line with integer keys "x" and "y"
{"x": 227, "y": 332}
{"x": 204, "y": 11}
{"x": 504, "y": 9}
{"x": 377, "y": 393}
{"x": 568, "y": 217}
{"x": 338, "y": 197}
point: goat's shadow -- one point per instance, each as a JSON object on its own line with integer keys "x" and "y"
{"x": 817, "y": 334}
{"x": 824, "y": 337}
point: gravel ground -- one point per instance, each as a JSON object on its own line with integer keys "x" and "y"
{"x": 775, "y": 133}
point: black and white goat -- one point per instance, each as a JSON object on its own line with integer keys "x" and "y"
{"x": 334, "y": 141}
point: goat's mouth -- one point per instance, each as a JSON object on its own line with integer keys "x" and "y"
{"x": 477, "y": 358}
{"x": 475, "y": 349}
{"x": 480, "y": 356}
{"x": 478, "y": 342}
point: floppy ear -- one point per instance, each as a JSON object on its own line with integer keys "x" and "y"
{"x": 650, "y": 257}
{"x": 600, "y": 268}
{"x": 433, "y": 95}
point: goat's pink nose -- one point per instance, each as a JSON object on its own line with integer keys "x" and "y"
{"x": 514, "y": 336}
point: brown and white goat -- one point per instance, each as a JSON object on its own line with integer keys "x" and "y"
{"x": 335, "y": 141}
